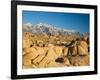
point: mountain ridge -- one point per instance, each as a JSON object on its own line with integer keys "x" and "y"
{"x": 44, "y": 28}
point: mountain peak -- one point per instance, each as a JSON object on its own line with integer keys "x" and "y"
{"x": 44, "y": 25}
{"x": 44, "y": 28}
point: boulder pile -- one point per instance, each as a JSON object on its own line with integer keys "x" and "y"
{"x": 40, "y": 54}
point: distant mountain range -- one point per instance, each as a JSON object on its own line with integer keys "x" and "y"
{"x": 47, "y": 29}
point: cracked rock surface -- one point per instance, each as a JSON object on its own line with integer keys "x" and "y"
{"x": 43, "y": 52}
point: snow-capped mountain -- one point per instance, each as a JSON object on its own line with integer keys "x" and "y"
{"x": 43, "y": 28}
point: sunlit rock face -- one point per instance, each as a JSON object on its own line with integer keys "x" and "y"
{"x": 47, "y": 46}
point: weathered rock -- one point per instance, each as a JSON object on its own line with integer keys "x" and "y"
{"x": 85, "y": 39}
{"x": 50, "y": 46}
{"x": 51, "y": 54}
{"x": 26, "y": 61}
{"x": 79, "y": 60}
{"x": 40, "y": 45}
{"x": 65, "y": 51}
{"x": 39, "y": 59}
{"x": 55, "y": 64}
{"x": 41, "y": 50}
{"x": 54, "y": 51}
{"x": 44, "y": 62}
{"x": 74, "y": 50}
{"x": 27, "y": 64}
{"x": 58, "y": 42}
{"x": 82, "y": 51}
{"x": 66, "y": 61}
{"x": 30, "y": 55}
{"x": 27, "y": 34}
{"x": 29, "y": 50}
{"x": 58, "y": 51}
{"x": 26, "y": 43}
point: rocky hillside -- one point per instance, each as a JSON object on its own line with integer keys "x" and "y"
{"x": 43, "y": 51}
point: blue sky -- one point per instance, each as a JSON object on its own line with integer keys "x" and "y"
{"x": 74, "y": 21}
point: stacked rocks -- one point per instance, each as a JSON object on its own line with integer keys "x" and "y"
{"x": 74, "y": 54}
{"x": 79, "y": 53}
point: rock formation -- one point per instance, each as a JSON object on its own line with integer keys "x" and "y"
{"x": 53, "y": 50}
